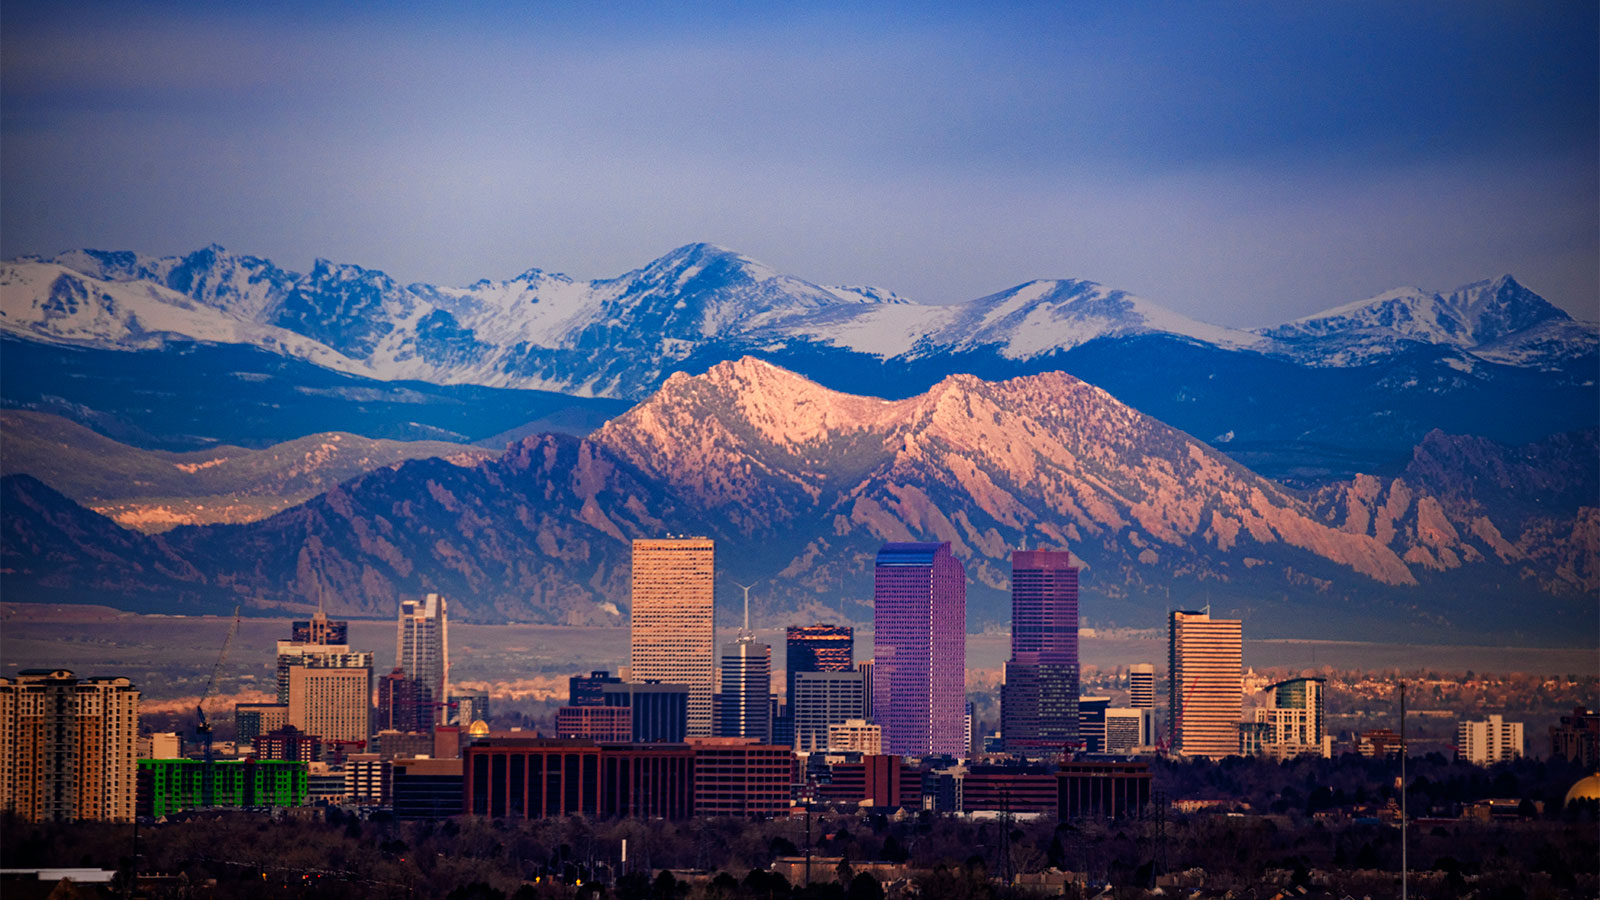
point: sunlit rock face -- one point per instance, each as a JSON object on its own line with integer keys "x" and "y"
{"x": 800, "y": 484}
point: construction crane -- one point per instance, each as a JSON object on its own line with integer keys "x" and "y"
{"x": 202, "y": 729}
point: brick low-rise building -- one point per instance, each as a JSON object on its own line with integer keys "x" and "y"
{"x": 741, "y": 777}
{"x": 426, "y": 789}
{"x": 877, "y": 780}
{"x": 544, "y": 777}
{"x": 1102, "y": 790}
{"x": 595, "y": 723}
{"x": 289, "y": 743}
{"x": 1014, "y": 788}
{"x": 514, "y": 777}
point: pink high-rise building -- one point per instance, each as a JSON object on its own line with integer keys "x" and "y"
{"x": 920, "y": 649}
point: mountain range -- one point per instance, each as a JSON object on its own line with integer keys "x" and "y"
{"x": 799, "y": 484}
{"x": 1295, "y": 402}
{"x": 539, "y": 329}
{"x": 155, "y": 490}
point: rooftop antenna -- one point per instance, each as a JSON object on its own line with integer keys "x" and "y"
{"x": 746, "y": 633}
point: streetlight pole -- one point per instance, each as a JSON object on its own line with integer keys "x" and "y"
{"x": 1404, "y": 869}
{"x": 808, "y": 845}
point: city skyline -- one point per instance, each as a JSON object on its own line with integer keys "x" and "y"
{"x": 1192, "y": 410}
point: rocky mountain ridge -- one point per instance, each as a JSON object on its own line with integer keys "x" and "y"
{"x": 799, "y": 484}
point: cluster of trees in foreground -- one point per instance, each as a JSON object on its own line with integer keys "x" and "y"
{"x": 475, "y": 859}
{"x": 251, "y": 855}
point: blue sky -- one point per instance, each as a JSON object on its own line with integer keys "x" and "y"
{"x": 1242, "y": 163}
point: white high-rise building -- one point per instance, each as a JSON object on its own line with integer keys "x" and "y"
{"x": 326, "y": 656}
{"x": 1489, "y": 741}
{"x": 422, "y": 644}
{"x": 673, "y": 638}
{"x": 821, "y": 700}
{"x": 333, "y": 703}
{"x": 746, "y": 690}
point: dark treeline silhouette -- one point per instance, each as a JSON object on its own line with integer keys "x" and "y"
{"x": 1556, "y": 853}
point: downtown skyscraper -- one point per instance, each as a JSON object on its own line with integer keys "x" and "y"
{"x": 746, "y": 690}
{"x": 1206, "y": 693}
{"x": 920, "y": 649}
{"x": 1039, "y": 703}
{"x": 673, "y": 640}
{"x": 422, "y": 643}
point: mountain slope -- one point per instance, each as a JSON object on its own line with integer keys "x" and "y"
{"x": 1481, "y": 314}
{"x": 196, "y": 395}
{"x": 987, "y": 466}
{"x": 53, "y": 550}
{"x": 153, "y": 490}
{"x": 800, "y": 485}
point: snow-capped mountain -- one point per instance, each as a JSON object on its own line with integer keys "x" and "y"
{"x": 1024, "y": 322}
{"x": 542, "y": 330}
{"x": 1352, "y": 389}
{"x": 50, "y": 302}
{"x": 1497, "y": 320}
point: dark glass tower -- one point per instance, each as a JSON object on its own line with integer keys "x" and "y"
{"x": 818, "y": 648}
{"x": 589, "y": 690}
{"x": 1039, "y": 704}
{"x": 746, "y": 690}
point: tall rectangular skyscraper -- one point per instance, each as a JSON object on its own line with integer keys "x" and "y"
{"x": 1206, "y": 660}
{"x": 422, "y": 644}
{"x": 1039, "y": 704}
{"x": 673, "y": 638}
{"x": 746, "y": 690}
{"x": 818, "y": 648}
{"x": 332, "y": 702}
{"x": 920, "y": 649}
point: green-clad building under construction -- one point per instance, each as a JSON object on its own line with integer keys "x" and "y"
{"x": 169, "y": 785}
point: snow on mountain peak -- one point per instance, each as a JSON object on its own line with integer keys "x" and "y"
{"x": 1473, "y": 315}
{"x": 620, "y": 336}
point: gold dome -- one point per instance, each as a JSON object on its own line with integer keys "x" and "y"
{"x": 1587, "y": 788}
{"x": 478, "y": 728}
